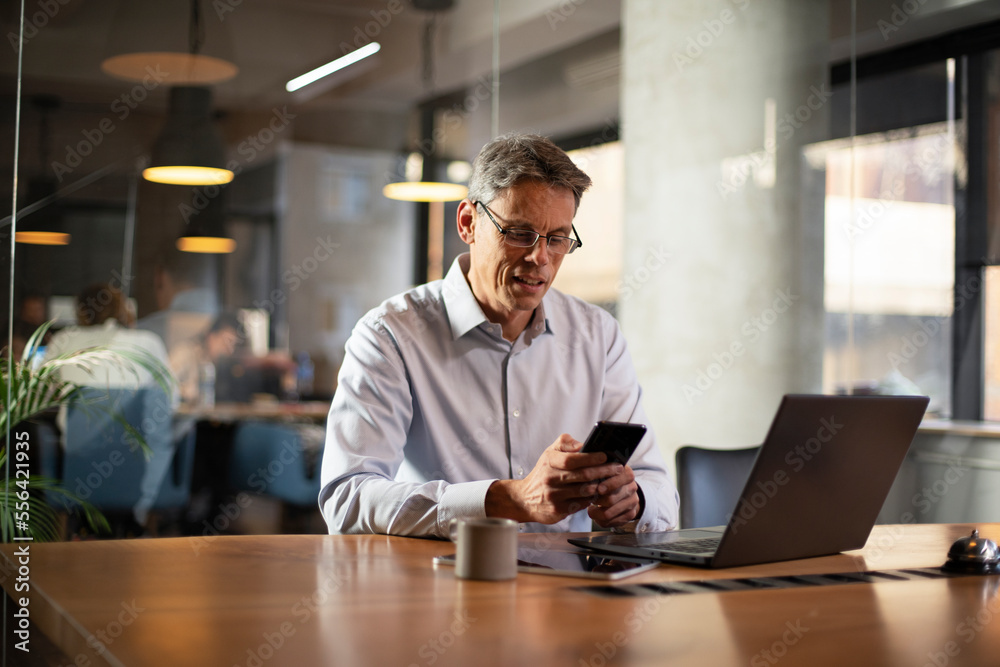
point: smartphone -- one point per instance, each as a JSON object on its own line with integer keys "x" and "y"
{"x": 616, "y": 439}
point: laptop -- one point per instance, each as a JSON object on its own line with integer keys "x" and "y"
{"x": 815, "y": 488}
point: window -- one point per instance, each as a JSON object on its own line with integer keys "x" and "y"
{"x": 593, "y": 272}
{"x": 889, "y": 245}
{"x": 912, "y": 290}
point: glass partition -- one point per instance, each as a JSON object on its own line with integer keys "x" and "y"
{"x": 799, "y": 198}
{"x": 910, "y": 222}
{"x": 889, "y": 257}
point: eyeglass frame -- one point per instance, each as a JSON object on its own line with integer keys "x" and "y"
{"x": 504, "y": 232}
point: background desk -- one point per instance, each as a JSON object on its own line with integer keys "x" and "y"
{"x": 376, "y": 600}
{"x": 234, "y": 438}
{"x": 229, "y": 413}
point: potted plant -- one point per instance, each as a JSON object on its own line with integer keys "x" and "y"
{"x": 28, "y": 389}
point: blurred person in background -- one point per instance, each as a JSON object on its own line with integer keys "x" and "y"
{"x": 185, "y": 307}
{"x": 189, "y": 359}
{"x": 103, "y": 318}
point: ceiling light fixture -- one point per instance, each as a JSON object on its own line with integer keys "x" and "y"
{"x": 425, "y": 191}
{"x": 218, "y": 245}
{"x": 205, "y": 231}
{"x": 169, "y": 39}
{"x": 189, "y": 150}
{"x": 413, "y": 188}
{"x": 37, "y": 227}
{"x": 37, "y": 223}
{"x": 369, "y": 49}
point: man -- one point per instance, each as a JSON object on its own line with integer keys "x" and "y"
{"x": 185, "y": 307}
{"x": 189, "y": 358}
{"x": 464, "y": 397}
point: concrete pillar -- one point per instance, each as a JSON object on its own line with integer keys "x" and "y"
{"x": 721, "y": 299}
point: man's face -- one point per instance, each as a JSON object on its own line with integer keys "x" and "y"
{"x": 221, "y": 343}
{"x": 509, "y": 282}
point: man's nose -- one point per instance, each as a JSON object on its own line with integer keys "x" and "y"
{"x": 540, "y": 252}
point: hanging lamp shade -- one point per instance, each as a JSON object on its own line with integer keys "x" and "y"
{"x": 189, "y": 150}
{"x": 42, "y": 238}
{"x": 42, "y": 225}
{"x": 205, "y": 230}
{"x": 412, "y": 188}
{"x": 425, "y": 191}
{"x": 169, "y": 41}
{"x": 218, "y": 245}
{"x": 41, "y": 221}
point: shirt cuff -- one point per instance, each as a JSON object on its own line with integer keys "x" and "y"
{"x": 462, "y": 500}
{"x": 648, "y": 520}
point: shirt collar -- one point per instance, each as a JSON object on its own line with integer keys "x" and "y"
{"x": 539, "y": 323}
{"x": 465, "y": 313}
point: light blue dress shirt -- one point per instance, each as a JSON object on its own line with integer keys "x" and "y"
{"x": 433, "y": 405}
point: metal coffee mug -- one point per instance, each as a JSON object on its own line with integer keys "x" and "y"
{"x": 486, "y": 549}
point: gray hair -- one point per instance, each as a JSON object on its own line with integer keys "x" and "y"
{"x": 514, "y": 158}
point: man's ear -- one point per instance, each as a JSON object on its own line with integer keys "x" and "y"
{"x": 466, "y": 218}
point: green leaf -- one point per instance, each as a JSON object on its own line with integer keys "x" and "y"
{"x": 27, "y": 390}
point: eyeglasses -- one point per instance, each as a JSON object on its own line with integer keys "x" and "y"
{"x": 525, "y": 238}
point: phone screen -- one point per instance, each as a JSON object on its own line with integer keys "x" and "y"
{"x": 616, "y": 439}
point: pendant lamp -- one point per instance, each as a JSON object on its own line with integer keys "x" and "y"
{"x": 425, "y": 191}
{"x": 41, "y": 226}
{"x": 189, "y": 150}
{"x": 173, "y": 42}
{"x": 170, "y": 41}
{"x": 205, "y": 230}
{"x": 39, "y": 223}
{"x": 413, "y": 188}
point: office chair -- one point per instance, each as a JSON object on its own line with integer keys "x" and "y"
{"x": 103, "y": 467}
{"x": 269, "y": 459}
{"x": 46, "y": 449}
{"x": 709, "y": 482}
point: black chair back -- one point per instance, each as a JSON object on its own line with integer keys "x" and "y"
{"x": 709, "y": 482}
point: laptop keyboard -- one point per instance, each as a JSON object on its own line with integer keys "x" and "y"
{"x": 694, "y": 546}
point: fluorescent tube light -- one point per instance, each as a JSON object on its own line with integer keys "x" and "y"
{"x": 326, "y": 70}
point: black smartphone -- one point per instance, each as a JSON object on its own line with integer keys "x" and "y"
{"x": 616, "y": 439}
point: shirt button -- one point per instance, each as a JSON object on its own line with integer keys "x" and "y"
{"x": 517, "y": 413}
{"x": 643, "y": 528}
{"x": 520, "y": 472}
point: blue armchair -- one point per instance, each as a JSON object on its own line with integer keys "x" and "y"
{"x": 270, "y": 459}
{"x": 102, "y": 465}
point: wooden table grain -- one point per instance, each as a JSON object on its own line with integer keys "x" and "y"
{"x": 259, "y": 601}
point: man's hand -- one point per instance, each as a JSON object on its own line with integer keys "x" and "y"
{"x": 617, "y": 501}
{"x": 563, "y": 482}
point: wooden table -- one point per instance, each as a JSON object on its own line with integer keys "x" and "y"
{"x": 375, "y": 600}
